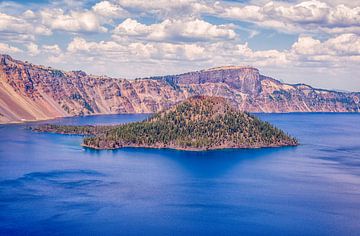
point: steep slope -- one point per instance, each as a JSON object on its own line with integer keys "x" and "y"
{"x": 31, "y": 92}
{"x": 198, "y": 123}
{"x": 253, "y": 92}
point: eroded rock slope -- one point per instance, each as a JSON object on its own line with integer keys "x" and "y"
{"x": 32, "y": 92}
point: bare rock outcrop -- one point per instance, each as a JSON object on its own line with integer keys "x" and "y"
{"x": 31, "y": 92}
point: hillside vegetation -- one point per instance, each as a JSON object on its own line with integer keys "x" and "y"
{"x": 199, "y": 123}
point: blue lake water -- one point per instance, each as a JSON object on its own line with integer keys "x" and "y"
{"x": 50, "y": 185}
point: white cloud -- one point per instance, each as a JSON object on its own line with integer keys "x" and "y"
{"x": 168, "y": 8}
{"x": 335, "y": 51}
{"x": 174, "y": 30}
{"x": 6, "y": 48}
{"x": 155, "y": 4}
{"x": 56, "y": 17}
{"x": 69, "y": 4}
{"x": 130, "y": 27}
{"x": 29, "y": 14}
{"x": 111, "y": 33}
{"x": 52, "y": 49}
{"x": 13, "y": 24}
{"x": 350, "y": 3}
{"x": 306, "y": 16}
{"x": 239, "y": 54}
{"x": 137, "y": 51}
{"x": 16, "y": 29}
{"x": 33, "y": 49}
{"x": 82, "y": 21}
{"x": 108, "y": 9}
{"x": 338, "y": 50}
{"x": 104, "y": 47}
{"x": 306, "y": 45}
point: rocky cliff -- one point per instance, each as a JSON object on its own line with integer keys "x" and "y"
{"x": 31, "y": 92}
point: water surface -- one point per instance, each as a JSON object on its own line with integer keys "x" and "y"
{"x": 49, "y": 184}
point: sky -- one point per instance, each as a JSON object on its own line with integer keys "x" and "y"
{"x": 316, "y": 42}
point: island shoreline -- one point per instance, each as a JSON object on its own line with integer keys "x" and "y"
{"x": 188, "y": 149}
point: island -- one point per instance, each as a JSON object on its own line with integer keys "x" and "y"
{"x": 198, "y": 123}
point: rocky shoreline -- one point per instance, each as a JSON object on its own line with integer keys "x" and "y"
{"x": 293, "y": 144}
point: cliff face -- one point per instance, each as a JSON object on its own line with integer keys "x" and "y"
{"x": 253, "y": 92}
{"x": 30, "y": 92}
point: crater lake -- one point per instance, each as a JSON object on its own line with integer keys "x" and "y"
{"x": 49, "y": 184}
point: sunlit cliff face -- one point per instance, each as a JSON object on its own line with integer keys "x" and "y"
{"x": 309, "y": 41}
{"x": 30, "y": 92}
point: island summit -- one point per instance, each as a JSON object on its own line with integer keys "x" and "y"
{"x": 199, "y": 123}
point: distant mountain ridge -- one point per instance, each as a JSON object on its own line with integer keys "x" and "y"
{"x": 31, "y": 92}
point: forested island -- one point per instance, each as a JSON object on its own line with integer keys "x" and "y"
{"x": 198, "y": 123}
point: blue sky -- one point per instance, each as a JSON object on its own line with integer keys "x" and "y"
{"x": 314, "y": 41}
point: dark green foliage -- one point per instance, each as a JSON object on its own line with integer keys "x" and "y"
{"x": 72, "y": 129}
{"x": 170, "y": 79}
{"x": 75, "y": 96}
{"x": 281, "y": 94}
{"x": 66, "y": 108}
{"x": 199, "y": 124}
{"x": 86, "y": 105}
{"x": 57, "y": 73}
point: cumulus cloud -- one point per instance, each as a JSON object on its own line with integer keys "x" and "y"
{"x": 82, "y": 21}
{"x": 350, "y": 3}
{"x": 6, "y": 48}
{"x": 10, "y": 23}
{"x": 79, "y": 44}
{"x": 305, "y": 16}
{"x": 168, "y": 8}
{"x": 29, "y": 14}
{"x": 15, "y": 25}
{"x": 53, "y": 17}
{"x": 182, "y": 19}
{"x": 51, "y": 49}
{"x": 33, "y": 49}
{"x": 137, "y": 51}
{"x": 20, "y": 29}
{"x": 338, "y": 50}
{"x": 177, "y": 33}
{"x": 306, "y": 50}
{"x": 174, "y": 30}
{"x": 108, "y": 9}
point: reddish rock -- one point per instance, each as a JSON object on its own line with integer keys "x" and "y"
{"x": 31, "y": 92}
